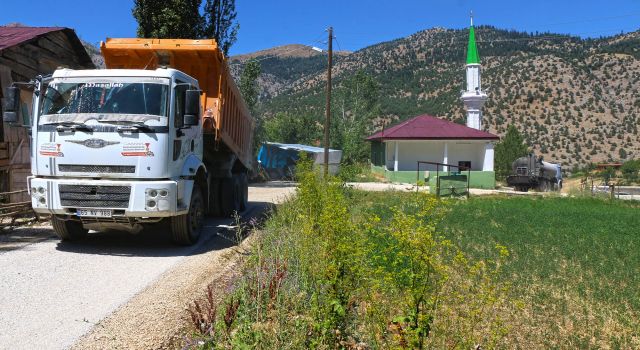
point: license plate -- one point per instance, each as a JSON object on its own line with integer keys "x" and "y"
{"x": 101, "y": 213}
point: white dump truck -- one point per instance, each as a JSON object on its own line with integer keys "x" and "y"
{"x": 162, "y": 134}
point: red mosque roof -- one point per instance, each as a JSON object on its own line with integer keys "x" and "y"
{"x": 426, "y": 127}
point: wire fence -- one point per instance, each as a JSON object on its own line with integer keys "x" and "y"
{"x": 453, "y": 184}
{"x": 15, "y": 213}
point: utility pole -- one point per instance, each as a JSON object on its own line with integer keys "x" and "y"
{"x": 327, "y": 122}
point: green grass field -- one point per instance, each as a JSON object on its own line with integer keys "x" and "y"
{"x": 341, "y": 268}
{"x": 574, "y": 265}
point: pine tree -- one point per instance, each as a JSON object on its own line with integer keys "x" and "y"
{"x": 249, "y": 89}
{"x": 182, "y": 19}
{"x": 220, "y": 23}
{"x": 510, "y": 148}
{"x": 177, "y": 19}
{"x": 357, "y": 104}
{"x": 249, "y": 84}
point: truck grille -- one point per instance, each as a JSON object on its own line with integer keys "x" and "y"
{"x": 79, "y": 168}
{"x": 87, "y": 196}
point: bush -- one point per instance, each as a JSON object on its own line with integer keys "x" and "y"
{"x": 359, "y": 172}
{"x": 330, "y": 271}
{"x": 631, "y": 170}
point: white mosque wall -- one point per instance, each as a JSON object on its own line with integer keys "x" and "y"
{"x": 411, "y": 151}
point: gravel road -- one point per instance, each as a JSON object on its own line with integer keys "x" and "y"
{"x": 53, "y": 293}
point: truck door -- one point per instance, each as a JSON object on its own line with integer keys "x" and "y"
{"x": 185, "y": 140}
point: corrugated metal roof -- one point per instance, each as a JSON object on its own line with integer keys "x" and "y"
{"x": 299, "y": 147}
{"x": 426, "y": 127}
{"x": 12, "y": 36}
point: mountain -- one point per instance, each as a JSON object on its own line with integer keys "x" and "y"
{"x": 94, "y": 53}
{"x": 575, "y": 100}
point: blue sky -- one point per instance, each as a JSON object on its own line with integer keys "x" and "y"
{"x": 357, "y": 23}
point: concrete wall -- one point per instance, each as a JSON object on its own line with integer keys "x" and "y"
{"x": 478, "y": 179}
{"x": 466, "y": 151}
{"x": 410, "y": 152}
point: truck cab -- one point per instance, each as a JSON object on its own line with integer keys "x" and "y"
{"x": 111, "y": 149}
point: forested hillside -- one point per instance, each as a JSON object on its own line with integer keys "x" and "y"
{"x": 575, "y": 100}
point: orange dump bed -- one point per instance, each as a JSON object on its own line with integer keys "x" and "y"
{"x": 225, "y": 113}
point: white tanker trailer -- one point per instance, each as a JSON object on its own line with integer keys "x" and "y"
{"x": 532, "y": 172}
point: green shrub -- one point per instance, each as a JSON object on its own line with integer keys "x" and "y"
{"x": 334, "y": 270}
{"x": 358, "y": 172}
{"x": 631, "y": 171}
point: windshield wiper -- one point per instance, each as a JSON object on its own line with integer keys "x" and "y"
{"x": 130, "y": 125}
{"x": 70, "y": 125}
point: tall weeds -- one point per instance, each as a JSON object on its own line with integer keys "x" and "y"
{"x": 326, "y": 276}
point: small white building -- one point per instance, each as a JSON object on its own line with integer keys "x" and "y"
{"x": 395, "y": 152}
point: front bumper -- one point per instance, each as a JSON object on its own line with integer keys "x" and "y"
{"x": 520, "y": 180}
{"x": 139, "y": 199}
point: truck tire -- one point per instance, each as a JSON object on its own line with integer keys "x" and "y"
{"x": 68, "y": 230}
{"x": 543, "y": 185}
{"x": 185, "y": 229}
{"x": 244, "y": 187}
{"x": 239, "y": 197}
{"x": 214, "y": 198}
{"x": 228, "y": 196}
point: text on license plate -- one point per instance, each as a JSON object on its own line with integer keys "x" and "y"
{"x": 103, "y": 213}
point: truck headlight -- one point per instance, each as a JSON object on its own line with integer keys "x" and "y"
{"x": 39, "y": 195}
{"x": 157, "y": 199}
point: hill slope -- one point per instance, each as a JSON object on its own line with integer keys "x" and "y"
{"x": 575, "y": 100}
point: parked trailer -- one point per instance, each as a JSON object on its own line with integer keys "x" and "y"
{"x": 161, "y": 135}
{"x": 532, "y": 172}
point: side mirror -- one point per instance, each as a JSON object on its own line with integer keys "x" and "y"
{"x": 11, "y": 105}
{"x": 191, "y": 107}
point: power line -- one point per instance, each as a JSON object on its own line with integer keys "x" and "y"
{"x": 305, "y": 47}
{"x": 327, "y": 122}
{"x": 276, "y": 56}
{"x": 338, "y": 42}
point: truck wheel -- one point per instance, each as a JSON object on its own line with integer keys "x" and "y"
{"x": 543, "y": 185}
{"x": 244, "y": 187}
{"x": 185, "y": 229}
{"x": 228, "y": 196}
{"x": 239, "y": 197}
{"x": 214, "y": 198}
{"x": 68, "y": 230}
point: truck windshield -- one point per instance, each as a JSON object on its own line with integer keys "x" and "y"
{"x": 105, "y": 98}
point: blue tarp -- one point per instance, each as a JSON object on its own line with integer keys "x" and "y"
{"x": 278, "y": 160}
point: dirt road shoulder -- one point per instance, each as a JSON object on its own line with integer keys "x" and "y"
{"x": 155, "y": 317}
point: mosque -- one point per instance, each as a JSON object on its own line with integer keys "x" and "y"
{"x": 395, "y": 151}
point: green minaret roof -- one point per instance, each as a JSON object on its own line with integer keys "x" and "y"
{"x": 472, "y": 50}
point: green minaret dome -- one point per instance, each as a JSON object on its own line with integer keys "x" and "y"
{"x": 472, "y": 49}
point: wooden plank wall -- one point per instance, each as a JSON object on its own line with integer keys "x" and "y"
{"x": 24, "y": 62}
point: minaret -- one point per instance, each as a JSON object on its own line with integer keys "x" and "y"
{"x": 473, "y": 98}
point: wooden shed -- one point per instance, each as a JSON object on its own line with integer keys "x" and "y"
{"x": 26, "y": 52}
